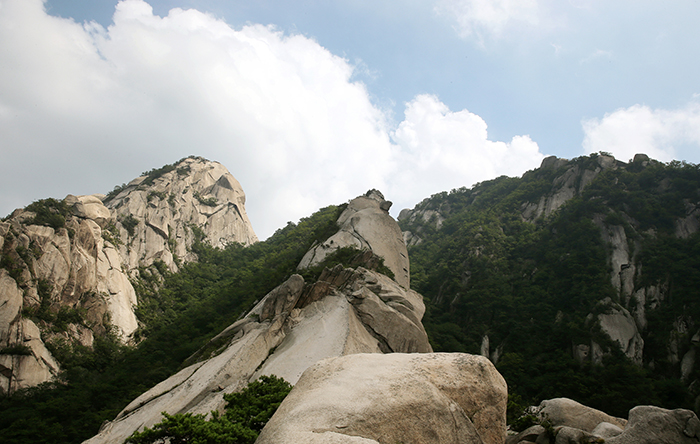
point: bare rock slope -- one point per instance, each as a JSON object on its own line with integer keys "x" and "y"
{"x": 66, "y": 265}
{"x": 345, "y": 311}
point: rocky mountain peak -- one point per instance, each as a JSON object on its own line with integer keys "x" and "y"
{"x": 366, "y": 225}
{"x": 69, "y": 263}
{"x": 161, "y": 213}
{"x": 343, "y": 311}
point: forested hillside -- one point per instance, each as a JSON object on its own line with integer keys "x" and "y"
{"x": 581, "y": 279}
{"x": 179, "y": 313}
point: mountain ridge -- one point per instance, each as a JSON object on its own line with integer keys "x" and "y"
{"x": 69, "y": 266}
{"x": 535, "y": 273}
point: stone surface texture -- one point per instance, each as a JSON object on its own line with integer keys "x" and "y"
{"x": 654, "y": 425}
{"x": 572, "y": 423}
{"x": 345, "y": 311}
{"x": 366, "y": 225}
{"x": 416, "y": 398}
{"x": 87, "y": 264}
{"x": 567, "y": 412}
{"x": 293, "y": 327}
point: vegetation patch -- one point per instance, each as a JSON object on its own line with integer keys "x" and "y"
{"x": 209, "y": 201}
{"x": 160, "y": 195}
{"x": 129, "y": 223}
{"x": 16, "y": 350}
{"x": 49, "y": 212}
{"x": 111, "y": 234}
{"x": 245, "y": 415}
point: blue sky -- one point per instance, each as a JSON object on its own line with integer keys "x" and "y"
{"x": 310, "y": 103}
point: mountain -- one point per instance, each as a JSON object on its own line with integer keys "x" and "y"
{"x": 338, "y": 312}
{"x": 68, "y": 266}
{"x": 579, "y": 279}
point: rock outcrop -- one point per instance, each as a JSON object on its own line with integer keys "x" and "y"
{"x": 366, "y": 225}
{"x": 73, "y": 260}
{"x": 160, "y": 214}
{"x": 570, "y": 179}
{"x": 569, "y": 422}
{"x": 345, "y": 311}
{"x": 654, "y": 425}
{"x": 570, "y": 183}
{"x": 569, "y": 413}
{"x": 423, "y": 398}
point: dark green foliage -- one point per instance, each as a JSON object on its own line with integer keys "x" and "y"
{"x": 349, "y": 257}
{"x": 111, "y": 234}
{"x": 129, "y": 223}
{"x": 246, "y": 414}
{"x": 16, "y": 349}
{"x": 114, "y": 193}
{"x": 255, "y": 405}
{"x": 59, "y": 318}
{"x": 530, "y": 286}
{"x": 156, "y": 173}
{"x": 160, "y": 195}
{"x": 209, "y": 201}
{"x": 49, "y": 212}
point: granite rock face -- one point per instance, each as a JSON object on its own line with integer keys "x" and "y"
{"x": 569, "y": 422}
{"x": 294, "y": 326}
{"x": 366, "y": 225}
{"x": 417, "y": 398}
{"x": 347, "y": 310}
{"x": 156, "y": 213}
{"x": 83, "y": 261}
{"x": 654, "y": 425}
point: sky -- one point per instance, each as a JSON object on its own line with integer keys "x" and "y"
{"x": 310, "y": 103}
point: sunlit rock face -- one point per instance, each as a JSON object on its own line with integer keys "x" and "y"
{"x": 571, "y": 422}
{"x": 347, "y": 310}
{"x": 417, "y": 398}
{"x": 83, "y": 264}
{"x": 366, "y": 224}
{"x": 160, "y": 215}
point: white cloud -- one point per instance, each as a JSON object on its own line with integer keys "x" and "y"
{"x": 661, "y": 134}
{"x": 484, "y": 19}
{"x": 442, "y": 150}
{"x": 83, "y": 108}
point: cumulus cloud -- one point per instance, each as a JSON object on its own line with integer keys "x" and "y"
{"x": 442, "y": 150}
{"x": 661, "y": 134}
{"x": 485, "y": 19}
{"x": 84, "y": 108}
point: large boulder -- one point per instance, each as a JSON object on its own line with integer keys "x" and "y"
{"x": 569, "y": 413}
{"x": 416, "y": 398}
{"x": 655, "y": 425}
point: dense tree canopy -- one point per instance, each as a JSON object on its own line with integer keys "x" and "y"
{"x": 531, "y": 286}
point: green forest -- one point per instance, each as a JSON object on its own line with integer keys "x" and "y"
{"x": 531, "y": 286}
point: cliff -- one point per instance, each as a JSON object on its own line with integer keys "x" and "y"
{"x": 341, "y": 311}
{"x": 67, "y": 266}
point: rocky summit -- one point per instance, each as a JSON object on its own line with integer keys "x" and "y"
{"x": 344, "y": 311}
{"x": 68, "y": 265}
